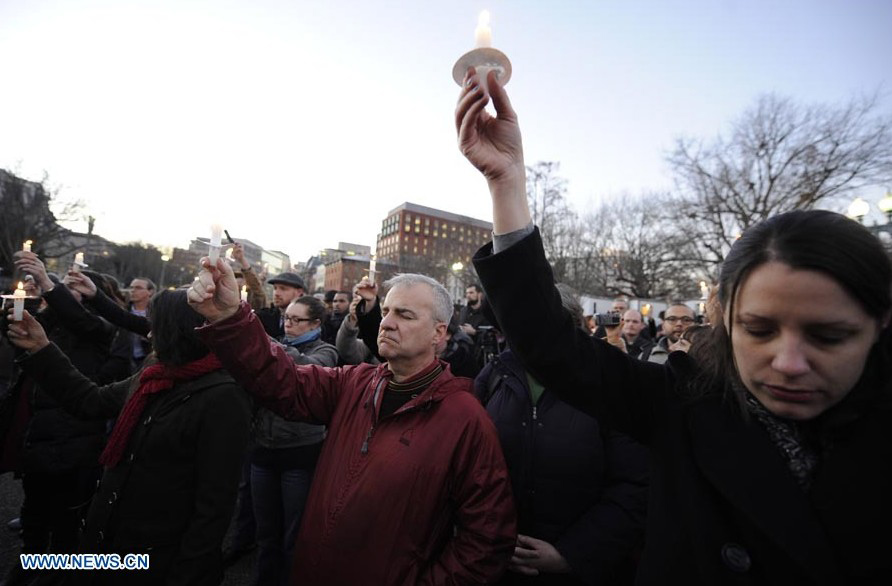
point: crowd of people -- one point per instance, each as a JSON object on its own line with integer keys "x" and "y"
{"x": 385, "y": 435}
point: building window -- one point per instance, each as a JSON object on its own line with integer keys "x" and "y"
{"x": 408, "y": 227}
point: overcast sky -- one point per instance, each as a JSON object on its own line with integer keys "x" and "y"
{"x": 299, "y": 124}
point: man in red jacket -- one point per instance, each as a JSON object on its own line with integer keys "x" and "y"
{"x": 411, "y": 486}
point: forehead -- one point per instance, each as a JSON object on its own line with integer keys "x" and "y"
{"x": 414, "y": 297}
{"x": 679, "y": 311}
{"x": 341, "y": 297}
{"x": 298, "y": 309}
{"x": 281, "y": 287}
{"x": 778, "y": 291}
{"x": 632, "y": 315}
{"x": 138, "y": 283}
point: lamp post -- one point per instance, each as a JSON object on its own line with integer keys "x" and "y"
{"x": 858, "y": 209}
{"x": 164, "y": 259}
{"x": 456, "y": 292}
{"x": 885, "y": 206}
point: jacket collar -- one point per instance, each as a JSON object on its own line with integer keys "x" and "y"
{"x": 739, "y": 460}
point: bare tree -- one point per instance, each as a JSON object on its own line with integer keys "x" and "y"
{"x": 780, "y": 156}
{"x": 27, "y": 216}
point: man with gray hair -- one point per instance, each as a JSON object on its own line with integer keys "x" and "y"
{"x": 411, "y": 486}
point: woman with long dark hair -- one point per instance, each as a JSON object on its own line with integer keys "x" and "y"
{"x": 772, "y": 455}
{"x": 173, "y": 459}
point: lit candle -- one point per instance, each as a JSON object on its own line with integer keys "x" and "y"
{"x": 702, "y": 308}
{"x": 18, "y": 302}
{"x": 216, "y": 240}
{"x": 483, "y": 33}
{"x": 704, "y": 290}
{"x": 372, "y": 270}
{"x": 244, "y": 292}
{"x": 27, "y": 246}
{"x": 78, "y": 262}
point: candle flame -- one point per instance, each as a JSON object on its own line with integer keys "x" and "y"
{"x": 483, "y": 19}
{"x": 21, "y": 285}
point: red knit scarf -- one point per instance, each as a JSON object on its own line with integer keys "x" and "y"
{"x": 154, "y": 379}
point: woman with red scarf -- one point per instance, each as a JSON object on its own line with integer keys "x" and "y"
{"x": 173, "y": 460}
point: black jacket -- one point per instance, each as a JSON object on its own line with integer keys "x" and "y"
{"x": 55, "y": 440}
{"x": 576, "y": 485}
{"x": 723, "y": 508}
{"x": 173, "y": 492}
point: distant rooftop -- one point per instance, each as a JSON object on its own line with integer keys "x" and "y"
{"x": 414, "y": 207}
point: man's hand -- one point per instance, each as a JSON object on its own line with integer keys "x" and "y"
{"x": 82, "y": 284}
{"x": 468, "y": 329}
{"x": 680, "y": 344}
{"x": 238, "y": 253}
{"x": 30, "y": 263}
{"x": 368, "y": 292}
{"x": 351, "y": 313}
{"x": 214, "y": 293}
{"x": 533, "y": 557}
{"x": 27, "y": 334}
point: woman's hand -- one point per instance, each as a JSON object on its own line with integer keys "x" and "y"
{"x": 493, "y": 145}
{"x": 30, "y": 263}
{"x": 26, "y": 334}
{"x": 81, "y": 283}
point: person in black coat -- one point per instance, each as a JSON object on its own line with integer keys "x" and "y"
{"x": 59, "y": 453}
{"x": 580, "y": 489}
{"x": 771, "y": 455}
{"x": 173, "y": 460}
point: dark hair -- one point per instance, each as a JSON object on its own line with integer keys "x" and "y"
{"x": 329, "y": 295}
{"x": 570, "y": 301}
{"x": 476, "y": 287}
{"x": 150, "y": 285}
{"x": 315, "y": 308}
{"x": 173, "y": 329}
{"x": 814, "y": 240}
{"x": 114, "y": 289}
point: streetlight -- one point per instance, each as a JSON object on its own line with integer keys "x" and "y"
{"x": 885, "y": 206}
{"x": 858, "y": 209}
{"x": 164, "y": 259}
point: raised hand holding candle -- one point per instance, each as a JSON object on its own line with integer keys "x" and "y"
{"x": 216, "y": 241}
{"x": 18, "y": 300}
{"x": 27, "y": 246}
{"x": 78, "y": 262}
{"x": 372, "y": 270}
{"x": 484, "y": 58}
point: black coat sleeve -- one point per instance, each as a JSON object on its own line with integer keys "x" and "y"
{"x": 76, "y": 319}
{"x": 77, "y": 394}
{"x": 593, "y": 376}
{"x": 120, "y": 316}
{"x": 368, "y": 324}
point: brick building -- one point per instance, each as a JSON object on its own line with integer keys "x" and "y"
{"x": 416, "y": 238}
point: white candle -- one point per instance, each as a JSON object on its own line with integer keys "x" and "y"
{"x": 372, "y": 270}
{"x": 216, "y": 240}
{"x": 483, "y": 33}
{"x": 27, "y": 246}
{"x": 704, "y": 290}
{"x": 18, "y": 302}
{"x": 244, "y": 292}
{"x": 78, "y": 262}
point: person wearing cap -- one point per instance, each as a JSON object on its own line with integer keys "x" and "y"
{"x": 286, "y": 288}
